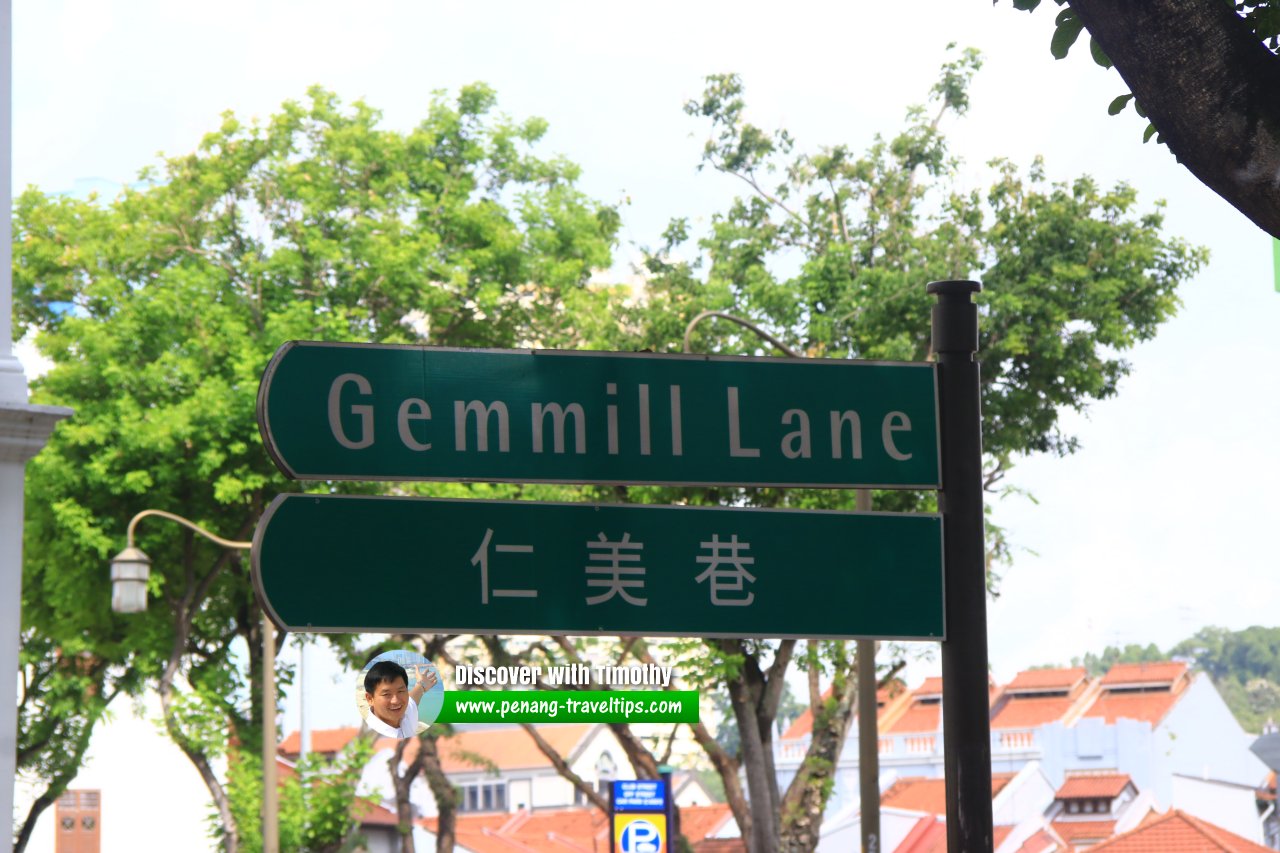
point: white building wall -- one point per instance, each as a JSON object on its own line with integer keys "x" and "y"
{"x": 844, "y": 835}
{"x": 152, "y": 797}
{"x": 1204, "y": 739}
{"x": 1232, "y": 807}
{"x": 520, "y": 793}
{"x": 598, "y": 742}
{"x": 1026, "y": 795}
{"x": 551, "y": 790}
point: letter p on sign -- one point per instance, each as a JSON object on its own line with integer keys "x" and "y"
{"x": 640, "y": 833}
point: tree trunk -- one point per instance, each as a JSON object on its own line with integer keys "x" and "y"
{"x": 728, "y": 769}
{"x": 41, "y": 803}
{"x": 754, "y": 696}
{"x": 807, "y": 796}
{"x": 184, "y": 611}
{"x": 231, "y": 835}
{"x": 761, "y": 790}
{"x": 59, "y": 782}
{"x": 442, "y": 789}
{"x": 403, "y": 784}
{"x": 1209, "y": 85}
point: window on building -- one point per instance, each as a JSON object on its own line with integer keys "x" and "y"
{"x": 77, "y": 818}
{"x": 604, "y": 787}
{"x": 606, "y": 772}
{"x": 483, "y": 797}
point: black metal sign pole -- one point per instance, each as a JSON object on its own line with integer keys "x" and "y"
{"x": 966, "y": 722}
{"x": 868, "y": 745}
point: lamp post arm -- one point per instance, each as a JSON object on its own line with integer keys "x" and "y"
{"x": 190, "y": 525}
{"x": 688, "y": 331}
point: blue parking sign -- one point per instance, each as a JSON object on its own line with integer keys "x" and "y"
{"x": 640, "y": 833}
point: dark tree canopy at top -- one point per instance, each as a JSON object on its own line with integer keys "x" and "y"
{"x": 1207, "y": 76}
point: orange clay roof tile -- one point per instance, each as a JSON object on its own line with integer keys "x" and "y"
{"x": 918, "y": 718}
{"x": 1178, "y": 832}
{"x": 506, "y": 749}
{"x": 325, "y": 741}
{"x": 928, "y": 794}
{"x": 1146, "y": 707}
{"x": 1091, "y": 831}
{"x": 1047, "y": 679}
{"x": 1163, "y": 672}
{"x": 1093, "y": 785}
{"x": 1024, "y": 712}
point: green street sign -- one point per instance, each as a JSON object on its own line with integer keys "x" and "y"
{"x": 388, "y": 564}
{"x": 368, "y": 412}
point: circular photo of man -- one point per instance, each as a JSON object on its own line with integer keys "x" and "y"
{"x": 399, "y": 693}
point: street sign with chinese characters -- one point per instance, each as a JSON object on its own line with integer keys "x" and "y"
{"x": 340, "y": 563}
{"x": 369, "y": 412}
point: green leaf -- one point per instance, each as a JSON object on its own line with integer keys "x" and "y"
{"x": 1118, "y": 104}
{"x": 1148, "y": 133}
{"x": 1095, "y": 50}
{"x": 1069, "y": 29}
{"x": 1026, "y": 5}
{"x": 1137, "y": 107}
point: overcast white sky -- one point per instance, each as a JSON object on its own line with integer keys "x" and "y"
{"x": 1161, "y": 524}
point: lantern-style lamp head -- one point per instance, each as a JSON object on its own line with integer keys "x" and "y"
{"x": 129, "y": 572}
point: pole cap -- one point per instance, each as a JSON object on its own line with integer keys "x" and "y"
{"x": 953, "y": 287}
{"x": 954, "y": 317}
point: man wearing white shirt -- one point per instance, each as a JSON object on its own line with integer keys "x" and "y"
{"x": 393, "y": 707}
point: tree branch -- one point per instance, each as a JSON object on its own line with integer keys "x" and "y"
{"x": 1209, "y": 86}
{"x": 724, "y": 763}
{"x": 564, "y": 770}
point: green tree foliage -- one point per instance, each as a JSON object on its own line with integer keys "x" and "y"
{"x": 320, "y": 808}
{"x": 1096, "y": 665}
{"x": 1244, "y": 666}
{"x": 62, "y": 694}
{"x": 829, "y": 250}
{"x": 159, "y": 310}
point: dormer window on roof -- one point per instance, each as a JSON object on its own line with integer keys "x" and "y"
{"x": 1047, "y": 682}
{"x": 1139, "y": 688}
{"x": 1143, "y": 677}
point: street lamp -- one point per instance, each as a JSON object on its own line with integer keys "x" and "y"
{"x": 130, "y": 570}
